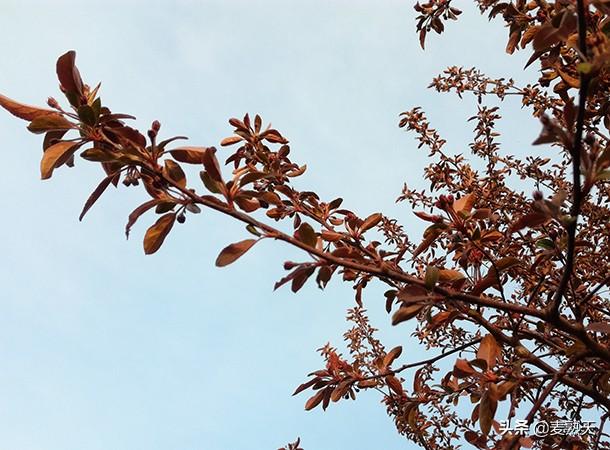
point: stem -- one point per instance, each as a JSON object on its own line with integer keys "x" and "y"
{"x": 383, "y": 271}
{"x": 426, "y": 361}
{"x": 576, "y": 152}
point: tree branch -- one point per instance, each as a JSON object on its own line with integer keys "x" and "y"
{"x": 576, "y": 155}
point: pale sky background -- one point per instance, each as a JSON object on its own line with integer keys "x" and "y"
{"x": 102, "y": 348}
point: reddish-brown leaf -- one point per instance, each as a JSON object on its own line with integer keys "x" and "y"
{"x": 247, "y": 204}
{"x": 211, "y": 164}
{"x": 56, "y": 155}
{"x": 531, "y": 220}
{"x": 463, "y": 369}
{"x": 391, "y": 356}
{"x": 300, "y": 278}
{"x": 274, "y": 136}
{"x": 306, "y": 235}
{"x": 189, "y": 155}
{"x": 315, "y": 400}
{"x": 231, "y": 140}
{"x": 99, "y": 155}
{"x": 156, "y": 234}
{"x": 233, "y": 252}
{"x": 442, "y": 318}
{"x": 174, "y": 172}
{"x": 412, "y": 293}
{"x": 370, "y": 222}
{"x": 340, "y": 390}
{"x": 427, "y": 217}
{"x": 136, "y": 213}
{"x": 405, "y": 313}
{"x": 215, "y": 187}
{"x": 25, "y": 112}
{"x": 394, "y": 384}
{"x": 484, "y": 283}
{"x": 430, "y": 236}
{"x": 449, "y": 275}
{"x": 465, "y": 203}
{"x": 331, "y": 236}
{"x": 99, "y": 190}
{"x": 324, "y": 275}
{"x": 49, "y": 122}
{"x": 68, "y": 74}
{"x": 306, "y": 385}
{"x": 487, "y": 411}
{"x": 507, "y": 262}
{"x": 505, "y": 388}
{"x": 489, "y": 350}
{"x": 422, "y": 38}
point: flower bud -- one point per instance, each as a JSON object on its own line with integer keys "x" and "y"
{"x": 441, "y": 203}
{"x": 538, "y": 195}
{"x": 154, "y": 129}
{"x": 52, "y": 103}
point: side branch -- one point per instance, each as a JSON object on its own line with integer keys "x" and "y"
{"x": 382, "y": 271}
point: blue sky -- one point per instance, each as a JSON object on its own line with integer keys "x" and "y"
{"x": 104, "y": 348}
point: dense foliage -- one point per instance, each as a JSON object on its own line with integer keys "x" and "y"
{"x": 508, "y": 288}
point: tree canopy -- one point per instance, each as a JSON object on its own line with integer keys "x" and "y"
{"x": 509, "y": 288}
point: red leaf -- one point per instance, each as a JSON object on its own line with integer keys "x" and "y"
{"x": 50, "y": 122}
{"x": 331, "y": 236}
{"x": 25, "y": 112}
{"x": 425, "y": 216}
{"x": 463, "y": 369}
{"x": 306, "y": 385}
{"x": 99, "y": 190}
{"x": 300, "y": 277}
{"x": 465, "y": 203}
{"x": 211, "y": 164}
{"x": 136, "y": 213}
{"x": 531, "y": 220}
{"x": 315, "y": 400}
{"x": 370, "y": 222}
{"x": 391, "y": 356}
{"x": 156, "y": 234}
{"x": 449, "y": 275}
{"x": 231, "y": 140}
{"x": 174, "y": 172}
{"x": 55, "y": 156}
{"x": 189, "y": 155}
{"x": 487, "y": 411}
{"x": 306, "y": 235}
{"x": 489, "y": 351}
{"x": 68, "y": 74}
{"x": 430, "y": 236}
{"x": 406, "y": 313}
{"x": 394, "y": 384}
{"x": 233, "y": 252}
